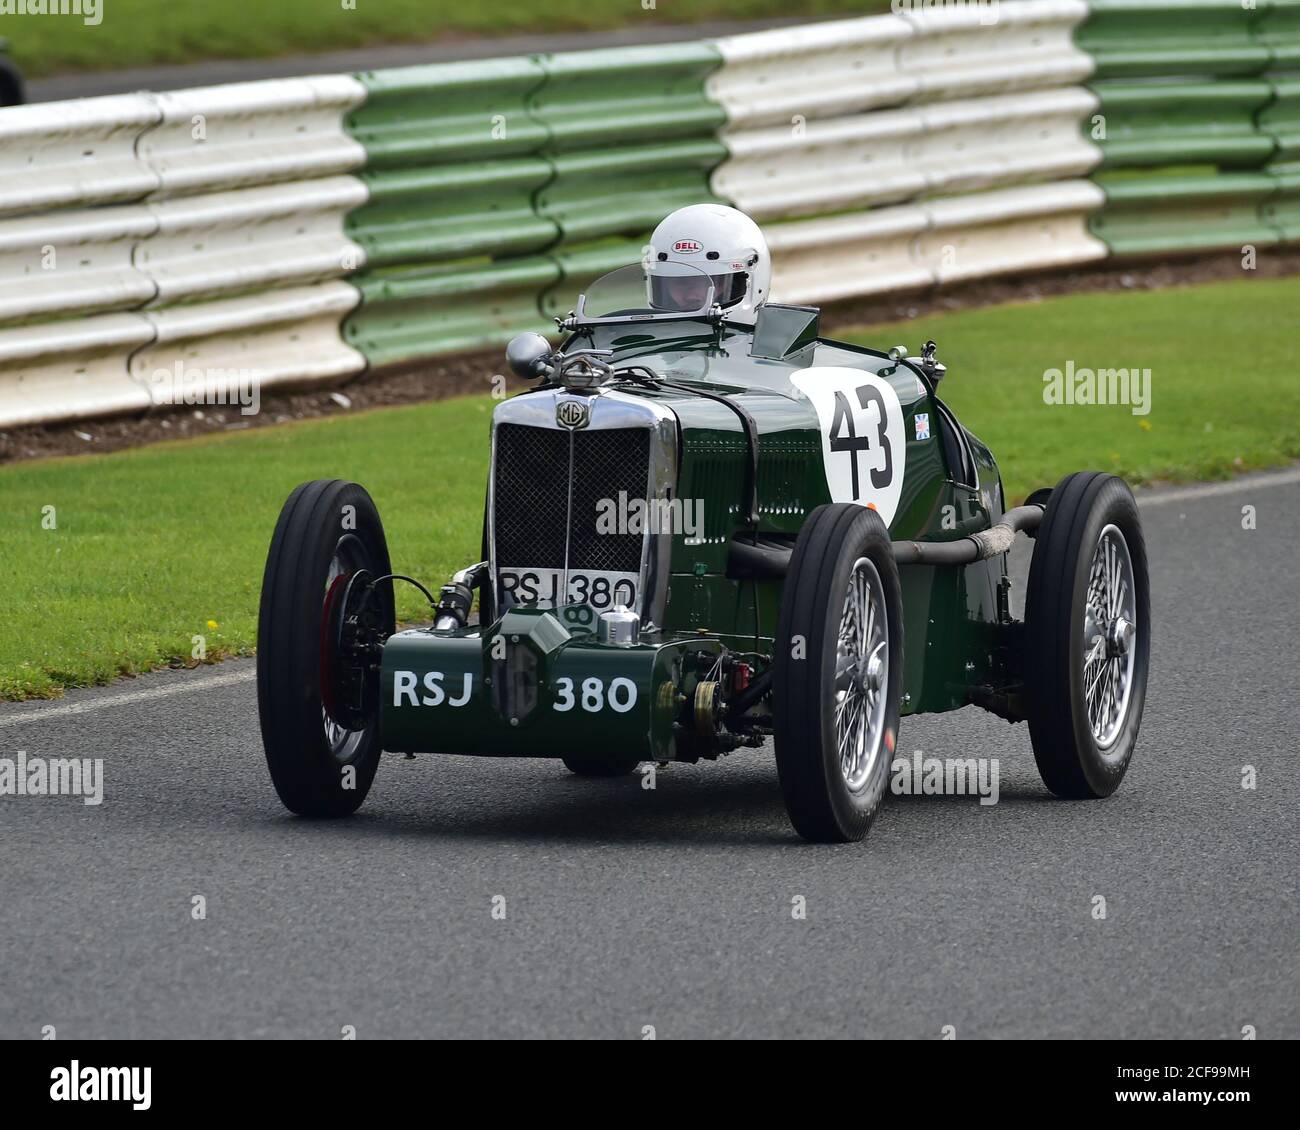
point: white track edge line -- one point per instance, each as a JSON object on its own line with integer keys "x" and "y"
{"x": 46, "y": 713}
{"x": 1212, "y": 490}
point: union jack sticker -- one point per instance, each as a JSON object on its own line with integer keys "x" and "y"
{"x": 923, "y": 425}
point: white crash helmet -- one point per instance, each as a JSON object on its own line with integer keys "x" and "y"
{"x": 726, "y": 245}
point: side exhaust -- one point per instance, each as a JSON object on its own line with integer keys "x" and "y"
{"x": 770, "y": 560}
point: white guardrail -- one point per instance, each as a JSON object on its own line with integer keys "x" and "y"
{"x": 204, "y": 229}
{"x": 858, "y": 116}
{"x": 113, "y": 211}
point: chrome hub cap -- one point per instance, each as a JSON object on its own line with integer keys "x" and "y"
{"x": 1110, "y": 634}
{"x": 861, "y": 675}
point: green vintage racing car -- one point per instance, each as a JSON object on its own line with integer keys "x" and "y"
{"x": 706, "y": 526}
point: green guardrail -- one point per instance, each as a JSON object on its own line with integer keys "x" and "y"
{"x": 452, "y": 212}
{"x": 485, "y": 175}
{"x": 499, "y": 189}
{"x": 1144, "y": 38}
{"x": 1280, "y": 119}
{"x": 1277, "y": 27}
{"x": 1183, "y": 123}
{"x": 1196, "y": 82}
{"x": 1169, "y": 212}
{"x": 633, "y": 135}
{"x": 1282, "y": 210}
{"x": 405, "y": 317}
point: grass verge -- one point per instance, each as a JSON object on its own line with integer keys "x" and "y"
{"x": 1223, "y": 392}
{"x": 136, "y": 33}
{"x": 157, "y": 545}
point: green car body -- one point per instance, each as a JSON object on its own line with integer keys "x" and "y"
{"x": 733, "y": 416}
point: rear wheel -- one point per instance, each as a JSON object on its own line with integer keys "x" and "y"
{"x": 838, "y": 673}
{"x": 317, "y": 694}
{"x": 1088, "y": 635}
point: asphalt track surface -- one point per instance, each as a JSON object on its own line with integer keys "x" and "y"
{"x": 672, "y": 908}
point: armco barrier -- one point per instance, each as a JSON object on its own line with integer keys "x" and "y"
{"x": 894, "y": 155}
{"x": 839, "y": 257}
{"x": 446, "y": 213}
{"x": 522, "y": 157}
{"x": 1163, "y": 213}
{"x": 1207, "y": 106}
{"x": 1282, "y": 210}
{"x": 281, "y": 338}
{"x": 1148, "y": 38}
{"x": 75, "y": 154}
{"x": 71, "y": 370}
{"x": 936, "y": 242}
{"x": 223, "y": 137}
{"x": 1277, "y": 27}
{"x": 981, "y": 50}
{"x": 1279, "y": 121}
{"x": 826, "y": 70}
{"x": 1184, "y": 123}
{"x": 452, "y": 163}
{"x": 407, "y": 316}
{"x": 254, "y": 239}
{"x": 464, "y": 202}
{"x": 71, "y": 263}
{"x": 147, "y": 201}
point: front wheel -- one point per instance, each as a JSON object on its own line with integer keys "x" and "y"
{"x": 317, "y": 692}
{"x": 1087, "y": 635}
{"x": 838, "y": 673}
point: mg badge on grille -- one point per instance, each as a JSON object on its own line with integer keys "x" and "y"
{"x": 572, "y": 413}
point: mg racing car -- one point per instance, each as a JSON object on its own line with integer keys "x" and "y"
{"x": 708, "y": 526}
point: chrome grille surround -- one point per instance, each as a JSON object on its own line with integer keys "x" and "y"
{"x": 560, "y": 499}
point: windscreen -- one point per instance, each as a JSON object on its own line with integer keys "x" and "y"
{"x": 648, "y": 290}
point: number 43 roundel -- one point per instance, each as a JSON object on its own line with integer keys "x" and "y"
{"x": 863, "y": 446}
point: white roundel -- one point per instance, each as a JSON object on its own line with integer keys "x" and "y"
{"x": 864, "y": 449}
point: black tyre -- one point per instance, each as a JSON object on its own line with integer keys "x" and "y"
{"x": 593, "y": 767}
{"x": 328, "y": 532}
{"x": 1088, "y": 635}
{"x": 11, "y": 84}
{"x": 838, "y": 673}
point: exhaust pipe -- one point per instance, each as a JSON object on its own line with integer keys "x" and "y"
{"x": 769, "y": 560}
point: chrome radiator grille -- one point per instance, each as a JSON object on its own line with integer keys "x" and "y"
{"x": 531, "y": 511}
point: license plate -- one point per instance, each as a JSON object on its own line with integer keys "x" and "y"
{"x": 599, "y": 589}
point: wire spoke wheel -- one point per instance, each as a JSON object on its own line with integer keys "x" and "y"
{"x": 1087, "y": 635}
{"x": 838, "y": 673}
{"x": 862, "y": 674}
{"x": 1110, "y": 636}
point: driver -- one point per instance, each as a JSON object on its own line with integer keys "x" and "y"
{"x": 724, "y": 244}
